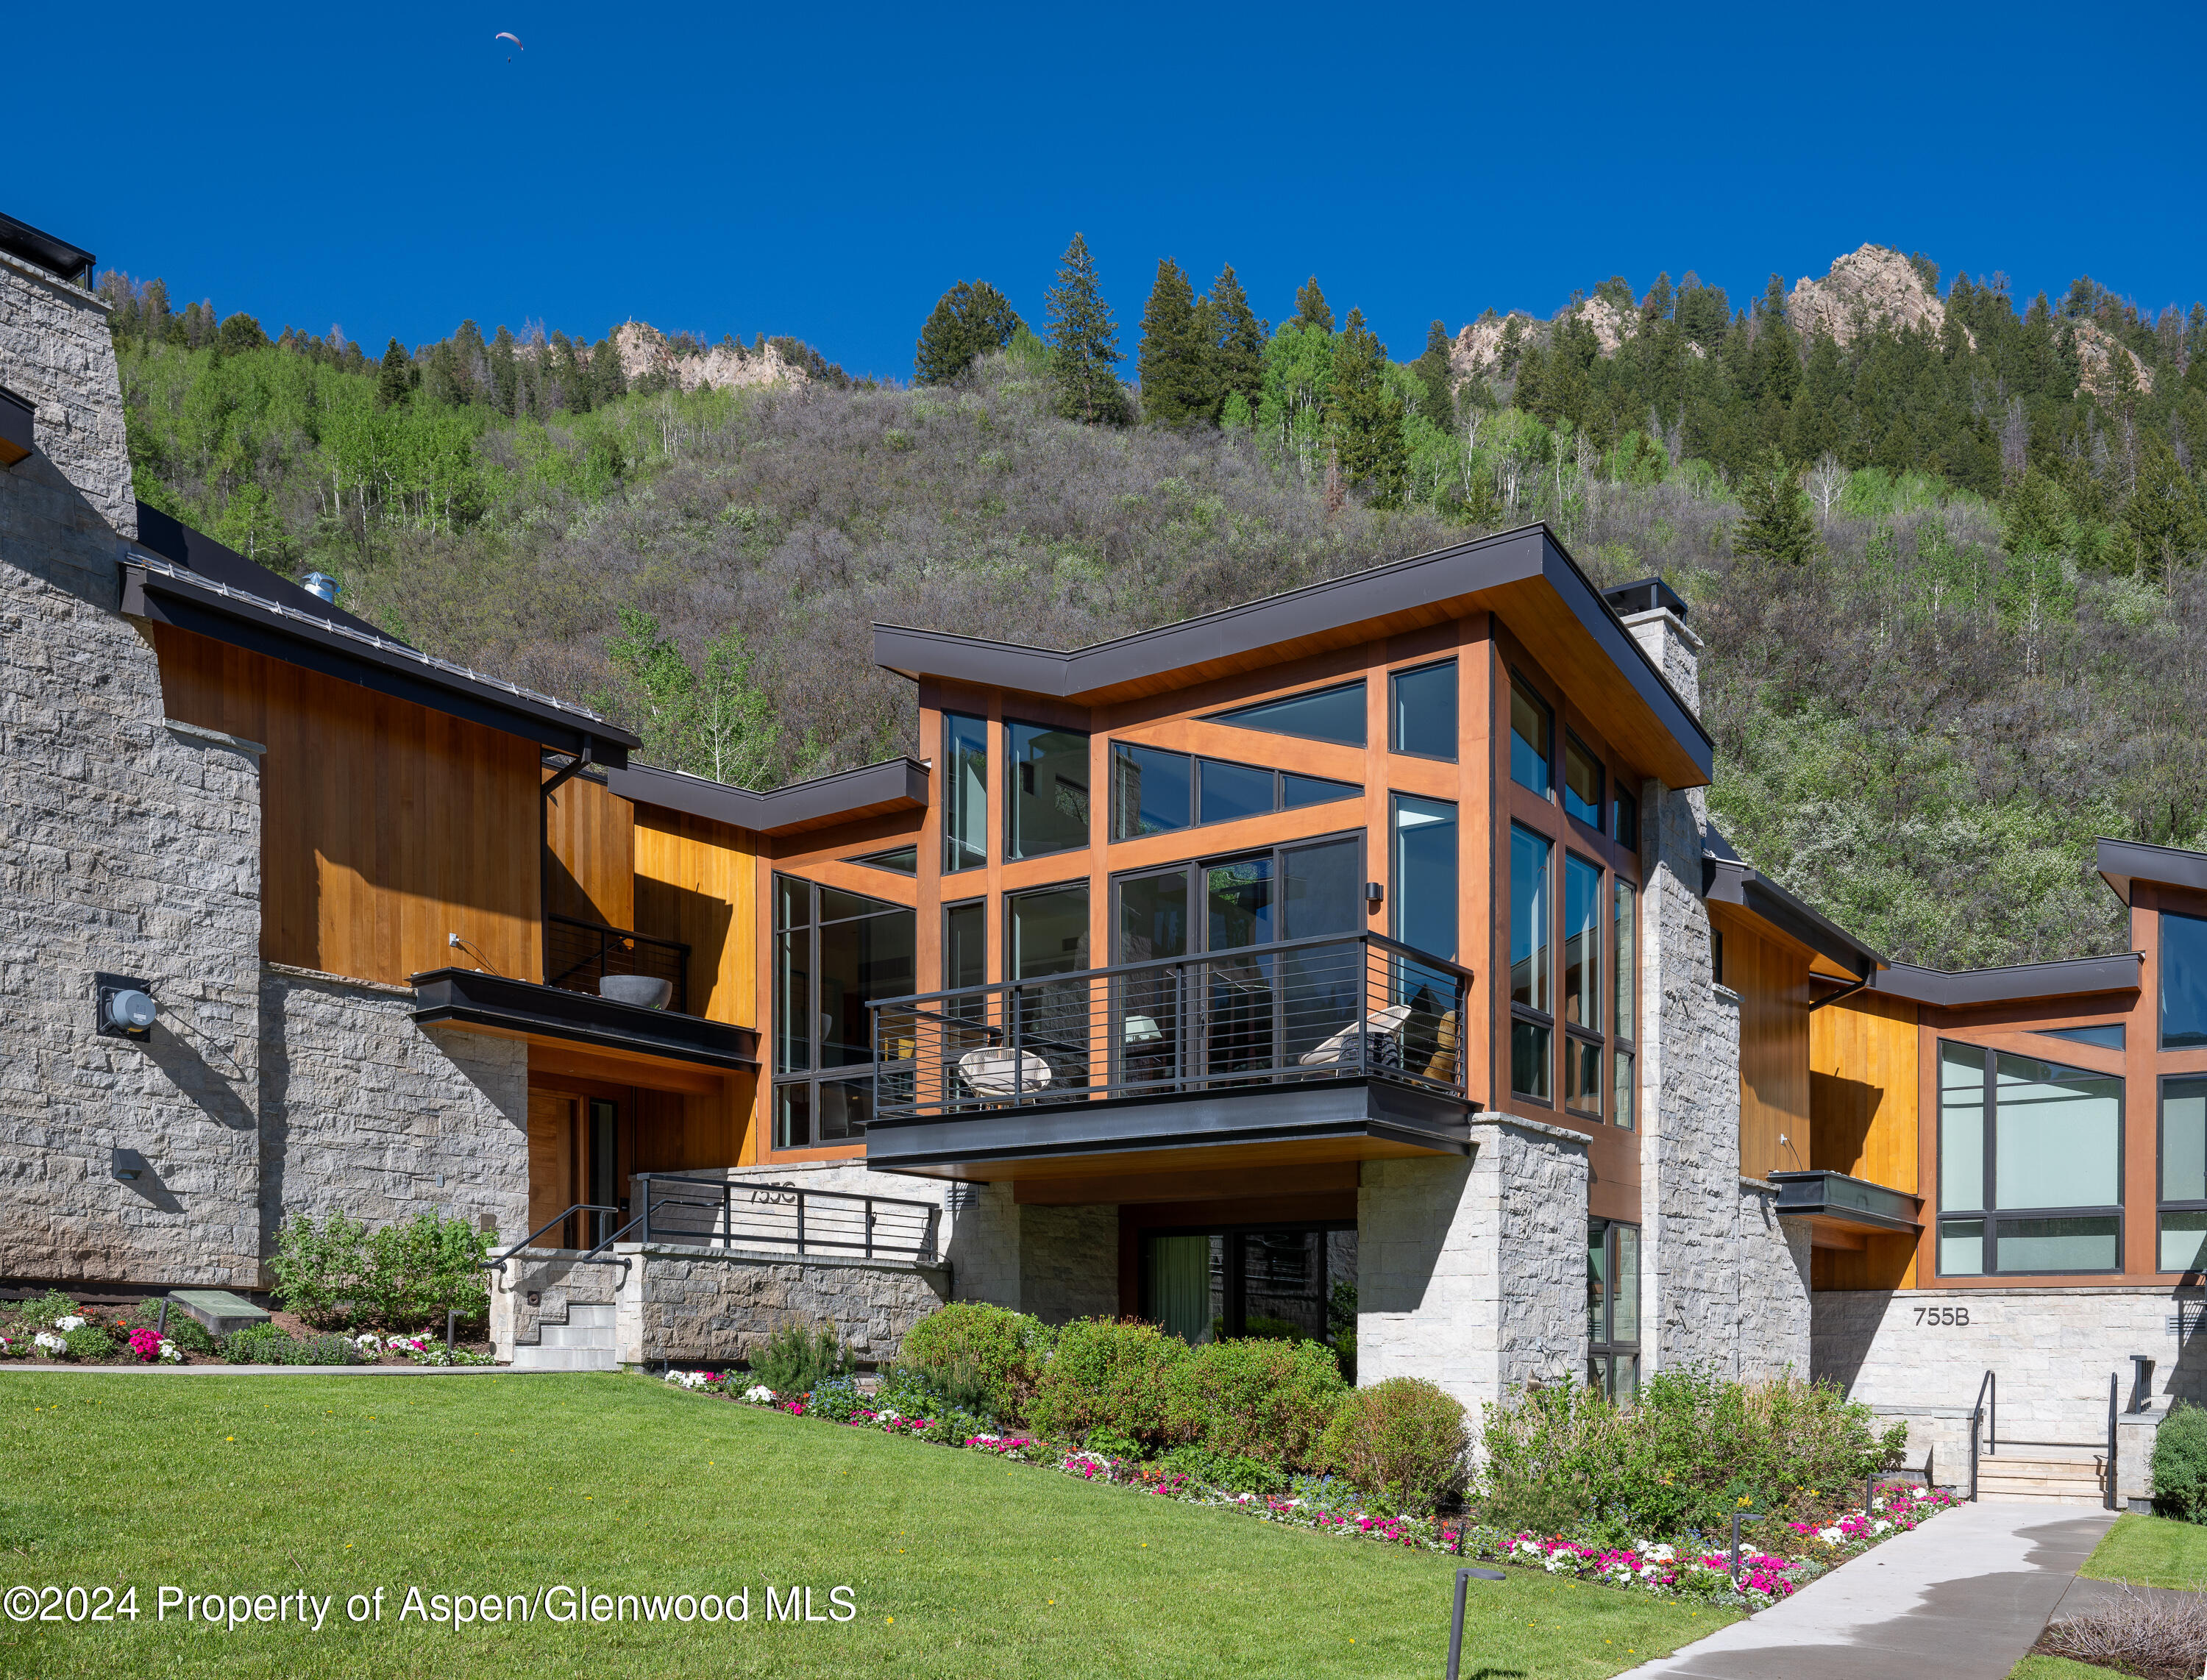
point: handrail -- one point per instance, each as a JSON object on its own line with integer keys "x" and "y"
{"x": 1977, "y": 1415}
{"x": 722, "y": 1200}
{"x": 499, "y": 1264}
{"x": 1987, "y": 1410}
{"x": 606, "y": 938}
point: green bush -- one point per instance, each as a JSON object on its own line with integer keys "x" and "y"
{"x": 1402, "y": 1441}
{"x": 186, "y": 1331}
{"x": 1107, "y": 1375}
{"x": 41, "y": 1311}
{"x": 1261, "y": 1398}
{"x": 90, "y": 1345}
{"x": 980, "y": 1356}
{"x": 339, "y": 1274}
{"x": 1225, "y": 1470}
{"x": 256, "y": 1344}
{"x": 1690, "y": 1451}
{"x": 2180, "y": 1464}
{"x": 794, "y": 1362}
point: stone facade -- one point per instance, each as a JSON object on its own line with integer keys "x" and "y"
{"x": 55, "y": 350}
{"x": 1472, "y": 1273}
{"x": 720, "y": 1307}
{"x": 1069, "y": 1263}
{"x": 362, "y": 1110}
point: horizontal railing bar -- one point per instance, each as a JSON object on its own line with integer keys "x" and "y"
{"x": 735, "y": 1185}
{"x": 2019, "y": 1441}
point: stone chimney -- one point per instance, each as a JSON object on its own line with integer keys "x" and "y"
{"x": 56, "y": 353}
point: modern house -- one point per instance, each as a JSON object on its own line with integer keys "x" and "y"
{"x": 1358, "y": 961}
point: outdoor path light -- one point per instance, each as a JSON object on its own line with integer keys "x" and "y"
{"x": 1464, "y": 1575}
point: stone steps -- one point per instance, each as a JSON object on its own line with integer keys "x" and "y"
{"x": 2080, "y": 1480}
{"x": 584, "y": 1342}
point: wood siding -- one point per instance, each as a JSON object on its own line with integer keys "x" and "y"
{"x": 385, "y": 826}
{"x": 1772, "y": 979}
{"x": 697, "y": 881}
{"x": 590, "y": 866}
{"x": 1862, "y": 1061}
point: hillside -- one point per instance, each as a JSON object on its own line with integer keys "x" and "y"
{"x": 1921, "y": 720}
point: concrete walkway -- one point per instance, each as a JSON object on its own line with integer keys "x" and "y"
{"x": 1965, "y": 1597}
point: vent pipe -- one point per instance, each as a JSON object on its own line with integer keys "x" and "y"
{"x": 322, "y": 586}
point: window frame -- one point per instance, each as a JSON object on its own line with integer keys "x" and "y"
{"x": 2161, "y": 983}
{"x": 1575, "y": 1031}
{"x": 1605, "y": 1351}
{"x": 1394, "y": 710}
{"x": 1232, "y": 717}
{"x": 1548, "y": 708}
{"x": 1012, "y": 794}
{"x": 1601, "y": 780}
{"x": 1196, "y": 761}
{"x": 2162, "y": 1204}
{"x": 1526, "y": 1013}
{"x": 954, "y": 847}
{"x": 1990, "y": 1218}
{"x": 1234, "y": 1291}
{"x": 813, "y": 1075}
{"x": 1624, "y": 1045}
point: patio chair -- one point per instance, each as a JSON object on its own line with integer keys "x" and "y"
{"x": 1380, "y": 1034}
{"x": 996, "y": 1072}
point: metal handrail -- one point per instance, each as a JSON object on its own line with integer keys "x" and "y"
{"x": 1982, "y": 1412}
{"x": 608, "y": 938}
{"x": 723, "y": 1201}
{"x": 499, "y": 1264}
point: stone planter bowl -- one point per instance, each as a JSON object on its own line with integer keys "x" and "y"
{"x": 640, "y": 989}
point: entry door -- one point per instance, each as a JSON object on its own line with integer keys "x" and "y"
{"x": 574, "y": 1158}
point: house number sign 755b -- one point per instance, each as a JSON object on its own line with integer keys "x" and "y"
{"x": 1929, "y": 1317}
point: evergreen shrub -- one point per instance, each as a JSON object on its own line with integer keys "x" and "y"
{"x": 1402, "y": 1441}
{"x": 796, "y": 1361}
{"x": 2180, "y": 1464}
{"x": 88, "y": 1344}
{"x": 980, "y": 1357}
{"x": 1260, "y": 1398}
{"x": 1107, "y": 1375}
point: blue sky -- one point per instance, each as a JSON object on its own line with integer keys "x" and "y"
{"x": 826, "y": 171}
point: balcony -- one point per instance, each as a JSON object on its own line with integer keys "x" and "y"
{"x": 570, "y": 1015}
{"x": 1336, "y": 1048}
{"x": 577, "y": 955}
{"x": 1843, "y": 1211}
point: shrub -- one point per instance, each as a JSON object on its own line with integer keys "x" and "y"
{"x": 339, "y": 1274}
{"x": 1263, "y": 1399}
{"x": 321, "y": 1270}
{"x": 1225, "y": 1470}
{"x": 1402, "y": 1441}
{"x": 2134, "y": 1632}
{"x": 793, "y": 1362}
{"x": 1692, "y": 1449}
{"x": 983, "y": 1357}
{"x": 2180, "y": 1464}
{"x": 1107, "y": 1374}
{"x": 40, "y": 1312}
{"x": 256, "y": 1344}
{"x": 88, "y": 1344}
{"x": 188, "y": 1333}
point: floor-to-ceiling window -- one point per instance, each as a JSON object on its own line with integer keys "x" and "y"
{"x": 2030, "y": 1156}
{"x": 1290, "y": 1282}
{"x": 1613, "y": 1308}
{"x": 834, "y": 953}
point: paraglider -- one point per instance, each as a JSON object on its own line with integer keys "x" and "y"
{"x": 507, "y": 35}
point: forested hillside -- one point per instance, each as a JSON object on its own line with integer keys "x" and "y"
{"x": 1945, "y": 551}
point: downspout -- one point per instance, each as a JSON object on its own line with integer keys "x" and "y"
{"x": 1861, "y": 981}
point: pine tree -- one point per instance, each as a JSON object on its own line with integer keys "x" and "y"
{"x": 1311, "y": 306}
{"x": 1174, "y": 361}
{"x": 1365, "y": 417}
{"x": 608, "y": 380}
{"x": 968, "y": 321}
{"x": 1238, "y": 354}
{"x": 1434, "y": 373}
{"x": 1777, "y": 526}
{"x": 1083, "y": 341}
{"x": 394, "y": 382}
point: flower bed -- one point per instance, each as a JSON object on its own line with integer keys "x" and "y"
{"x": 1687, "y": 1567}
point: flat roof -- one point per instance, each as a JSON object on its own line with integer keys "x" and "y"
{"x": 2123, "y": 861}
{"x": 2023, "y": 983}
{"x": 1526, "y": 575}
{"x": 1728, "y": 879}
{"x": 20, "y": 239}
{"x": 895, "y": 784}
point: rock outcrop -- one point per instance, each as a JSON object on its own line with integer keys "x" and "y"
{"x": 644, "y": 350}
{"x": 1872, "y": 287}
{"x": 2096, "y": 350}
{"x": 1477, "y": 349}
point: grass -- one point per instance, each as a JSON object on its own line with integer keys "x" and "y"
{"x": 961, "y": 1565}
{"x": 2055, "y": 1668}
{"x": 2153, "y": 1551}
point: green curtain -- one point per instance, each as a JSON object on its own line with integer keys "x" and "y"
{"x": 1180, "y": 1286}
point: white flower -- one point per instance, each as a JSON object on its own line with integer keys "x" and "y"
{"x": 1880, "y": 1526}
{"x": 1831, "y": 1536}
{"x": 47, "y": 1340}
{"x": 69, "y": 1322}
{"x": 1656, "y": 1552}
{"x": 169, "y": 1353}
{"x": 759, "y": 1394}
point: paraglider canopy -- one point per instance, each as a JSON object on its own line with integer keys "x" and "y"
{"x": 507, "y": 35}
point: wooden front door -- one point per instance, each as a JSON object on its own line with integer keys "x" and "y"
{"x": 574, "y": 1158}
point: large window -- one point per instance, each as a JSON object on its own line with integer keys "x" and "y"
{"x": 1583, "y": 780}
{"x": 1292, "y": 1284}
{"x": 1532, "y": 735}
{"x": 1047, "y": 932}
{"x": 1531, "y": 1010}
{"x": 2183, "y": 982}
{"x": 1625, "y": 1104}
{"x": 966, "y": 792}
{"x": 2030, "y": 1165}
{"x": 834, "y": 953}
{"x": 2183, "y": 1174}
{"x": 1581, "y": 990}
{"x": 1335, "y": 715}
{"x": 1158, "y": 792}
{"x": 1046, "y": 802}
{"x": 1425, "y": 874}
{"x": 1421, "y": 711}
{"x": 1614, "y": 1309}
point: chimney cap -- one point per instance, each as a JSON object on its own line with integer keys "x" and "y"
{"x": 21, "y": 240}
{"x": 1645, "y": 594}
{"x": 321, "y": 586}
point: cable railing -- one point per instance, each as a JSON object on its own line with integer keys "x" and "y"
{"x": 577, "y": 955}
{"x": 785, "y": 1218}
{"x": 1343, "y": 1006}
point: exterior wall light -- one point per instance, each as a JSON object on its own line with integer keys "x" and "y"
{"x": 128, "y": 1165}
{"x": 126, "y": 1008}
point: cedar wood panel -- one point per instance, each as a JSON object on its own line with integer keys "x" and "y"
{"x": 384, "y": 826}
{"x": 1772, "y": 980}
{"x": 1864, "y": 1060}
{"x": 590, "y": 869}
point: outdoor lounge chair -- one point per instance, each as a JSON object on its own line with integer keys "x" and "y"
{"x": 1381, "y": 1033}
{"x": 996, "y": 1072}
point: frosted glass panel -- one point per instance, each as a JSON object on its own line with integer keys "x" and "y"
{"x": 2183, "y": 1242}
{"x": 2058, "y": 1244}
{"x": 2057, "y": 1136}
{"x": 1961, "y": 1127}
{"x": 1962, "y": 1248}
{"x": 2184, "y": 1141}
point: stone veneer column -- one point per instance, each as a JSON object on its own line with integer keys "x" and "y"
{"x": 1472, "y": 1273}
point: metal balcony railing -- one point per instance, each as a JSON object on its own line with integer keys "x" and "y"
{"x": 1350, "y": 1005}
{"x": 577, "y": 955}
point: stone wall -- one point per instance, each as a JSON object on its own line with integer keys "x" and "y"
{"x": 1774, "y": 1315}
{"x": 1069, "y": 1263}
{"x": 362, "y": 1110}
{"x": 714, "y": 1309}
{"x": 1472, "y": 1273}
{"x": 132, "y": 847}
{"x": 557, "y": 1281}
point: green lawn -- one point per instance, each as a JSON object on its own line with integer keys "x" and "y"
{"x": 2056, "y": 1668}
{"x": 2155, "y": 1551}
{"x": 959, "y": 1565}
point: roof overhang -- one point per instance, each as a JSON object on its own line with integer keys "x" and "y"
{"x": 72, "y": 263}
{"x": 2123, "y": 861}
{"x": 1730, "y": 881}
{"x": 1843, "y": 1211}
{"x": 872, "y": 790}
{"x": 523, "y": 1009}
{"x": 1524, "y": 576}
{"x": 1267, "y": 1125}
{"x": 158, "y": 590}
{"x": 2027, "y": 982}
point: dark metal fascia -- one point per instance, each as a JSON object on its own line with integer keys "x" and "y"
{"x": 2073, "y": 977}
{"x": 1508, "y": 557}
{"x": 522, "y": 1006}
{"x": 1802, "y": 1207}
{"x": 20, "y": 240}
{"x": 895, "y": 781}
{"x": 169, "y": 598}
{"x": 1729, "y": 881}
{"x": 2123, "y": 861}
